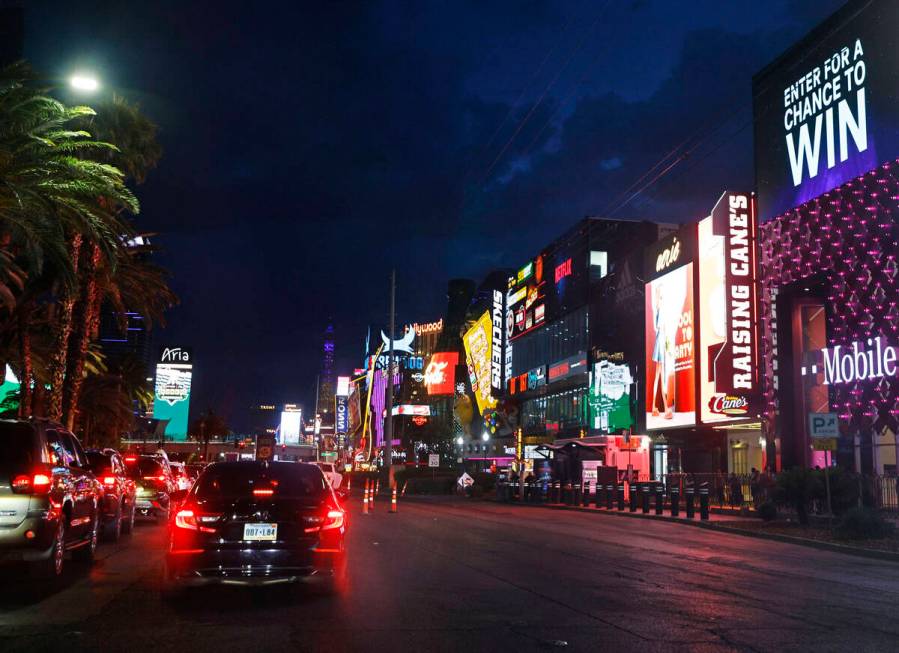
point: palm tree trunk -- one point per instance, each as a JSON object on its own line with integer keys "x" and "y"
{"x": 84, "y": 330}
{"x": 25, "y": 352}
{"x": 61, "y": 341}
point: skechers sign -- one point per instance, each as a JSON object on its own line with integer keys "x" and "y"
{"x": 496, "y": 352}
{"x": 827, "y": 111}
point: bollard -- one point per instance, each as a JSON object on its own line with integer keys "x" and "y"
{"x": 365, "y": 499}
{"x": 392, "y": 501}
{"x": 632, "y": 507}
{"x": 569, "y": 494}
{"x": 378, "y": 486}
{"x": 689, "y": 499}
{"x": 575, "y": 495}
{"x": 371, "y": 495}
{"x": 644, "y": 507}
{"x": 675, "y": 501}
{"x": 621, "y": 496}
{"x": 599, "y": 494}
{"x": 660, "y": 499}
{"x": 610, "y": 496}
{"x": 704, "y": 501}
{"x": 586, "y": 501}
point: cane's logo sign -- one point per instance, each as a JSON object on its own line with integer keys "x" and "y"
{"x": 734, "y": 405}
{"x": 175, "y": 355}
{"x": 669, "y": 256}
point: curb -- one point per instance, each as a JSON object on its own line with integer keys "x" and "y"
{"x": 718, "y": 526}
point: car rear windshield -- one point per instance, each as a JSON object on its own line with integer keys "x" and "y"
{"x": 16, "y": 445}
{"x": 97, "y": 461}
{"x": 144, "y": 467}
{"x": 240, "y": 479}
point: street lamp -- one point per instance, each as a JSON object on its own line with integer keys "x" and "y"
{"x": 460, "y": 441}
{"x": 84, "y": 82}
{"x": 485, "y": 437}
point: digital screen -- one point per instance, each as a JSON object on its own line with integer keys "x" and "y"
{"x": 526, "y": 300}
{"x": 171, "y": 399}
{"x": 827, "y": 111}
{"x": 291, "y": 424}
{"x": 477, "y": 342}
{"x": 670, "y": 371}
{"x": 440, "y": 373}
{"x": 610, "y": 397}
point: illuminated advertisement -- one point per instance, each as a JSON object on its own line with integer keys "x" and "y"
{"x": 499, "y": 338}
{"x": 171, "y": 401}
{"x": 610, "y": 397}
{"x": 477, "y": 342}
{"x": 827, "y": 111}
{"x": 422, "y": 410}
{"x": 568, "y": 367}
{"x": 728, "y": 347}
{"x": 354, "y": 409}
{"x": 291, "y": 425}
{"x": 440, "y": 374}
{"x": 569, "y": 280}
{"x": 670, "y": 370}
{"x": 526, "y": 300}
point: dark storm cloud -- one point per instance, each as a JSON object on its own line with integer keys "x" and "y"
{"x": 310, "y": 147}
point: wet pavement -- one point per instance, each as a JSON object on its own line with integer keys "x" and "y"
{"x": 448, "y": 575}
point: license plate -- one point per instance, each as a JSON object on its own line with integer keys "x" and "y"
{"x": 141, "y": 503}
{"x": 260, "y": 532}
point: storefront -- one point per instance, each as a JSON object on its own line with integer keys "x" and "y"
{"x": 828, "y": 183}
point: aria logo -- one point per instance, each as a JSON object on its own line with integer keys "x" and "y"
{"x": 175, "y": 355}
{"x": 669, "y": 256}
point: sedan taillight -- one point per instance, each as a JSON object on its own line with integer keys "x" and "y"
{"x": 188, "y": 519}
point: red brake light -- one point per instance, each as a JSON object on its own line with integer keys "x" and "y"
{"x": 130, "y": 459}
{"x": 154, "y": 478}
{"x": 109, "y": 480}
{"x": 263, "y": 492}
{"x": 31, "y": 484}
{"x": 334, "y": 520}
{"x": 188, "y": 519}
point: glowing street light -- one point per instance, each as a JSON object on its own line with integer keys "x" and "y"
{"x": 459, "y": 440}
{"x": 485, "y": 437}
{"x": 82, "y": 82}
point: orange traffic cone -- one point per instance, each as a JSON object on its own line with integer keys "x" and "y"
{"x": 393, "y": 500}
{"x": 365, "y": 499}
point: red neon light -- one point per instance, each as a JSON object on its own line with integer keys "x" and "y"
{"x": 563, "y": 270}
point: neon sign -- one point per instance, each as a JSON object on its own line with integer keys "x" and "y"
{"x": 563, "y": 270}
{"x": 858, "y": 364}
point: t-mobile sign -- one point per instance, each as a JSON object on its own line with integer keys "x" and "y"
{"x": 827, "y": 110}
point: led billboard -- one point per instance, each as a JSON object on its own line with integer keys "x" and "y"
{"x": 670, "y": 371}
{"x": 526, "y": 300}
{"x": 171, "y": 399}
{"x": 827, "y": 110}
{"x": 728, "y": 365}
{"x": 440, "y": 374}
{"x": 291, "y": 425}
{"x": 477, "y": 342}
{"x": 610, "y": 397}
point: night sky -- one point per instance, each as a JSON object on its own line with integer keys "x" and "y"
{"x": 310, "y": 146}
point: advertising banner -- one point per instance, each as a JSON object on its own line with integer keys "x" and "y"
{"x": 670, "y": 370}
{"x": 440, "y": 374}
{"x": 499, "y": 339}
{"x": 610, "y": 397}
{"x": 729, "y": 383}
{"x": 477, "y": 342}
{"x": 341, "y": 414}
{"x": 291, "y": 424}
{"x": 568, "y": 367}
{"x": 171, "y": 401}
{"x": 354, "y": 409}
{"x": 827, "y": 110}
{"x": 526, "y": 309}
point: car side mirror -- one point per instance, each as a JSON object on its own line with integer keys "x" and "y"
{"x": 178, "y": 495}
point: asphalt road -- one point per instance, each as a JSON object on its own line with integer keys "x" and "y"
{"x": 453, "y": 576}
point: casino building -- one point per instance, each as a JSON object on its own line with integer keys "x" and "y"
{"x": 828, "y": 195}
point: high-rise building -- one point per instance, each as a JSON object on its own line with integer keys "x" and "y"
{"x": 325, "y": 400}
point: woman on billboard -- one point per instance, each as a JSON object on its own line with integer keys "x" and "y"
{"x": 659, "y": 353}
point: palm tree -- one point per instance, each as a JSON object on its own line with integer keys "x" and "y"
{"x": 49, "y": 205}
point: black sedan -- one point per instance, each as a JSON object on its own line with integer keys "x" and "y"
{"x": 256, "y": 523}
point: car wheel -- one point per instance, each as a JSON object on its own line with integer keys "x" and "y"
{"x": 170, "y": 589}
{"x": 336, "y": 583}
{"x": 86, "y": 553}
{"x": 114, "y": 528}
{"x": 52, "y": 567}
{"x": 128, "y": 526}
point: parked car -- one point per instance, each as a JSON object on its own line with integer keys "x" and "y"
{"x": 154, "y": 483}
{"x": 179, "y": 474}
{"x": 49, "y": 499}
{"x": 257, "y": 523}
{"x": 117, "y": 506}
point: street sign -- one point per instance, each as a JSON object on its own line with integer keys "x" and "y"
{"x": 265, "y": 446}
{"x": 824, "y": 444}
{"x": 433, "y": 460}
{"x": 823, "y": 425}
{"x": 465, "y": 480}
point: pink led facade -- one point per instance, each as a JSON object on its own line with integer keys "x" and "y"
{"x": 849, "y": 235}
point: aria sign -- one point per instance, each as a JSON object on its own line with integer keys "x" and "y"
{"x": 855, "y": 363}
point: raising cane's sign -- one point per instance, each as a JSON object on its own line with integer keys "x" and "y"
{"x": 735, "y": 364}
